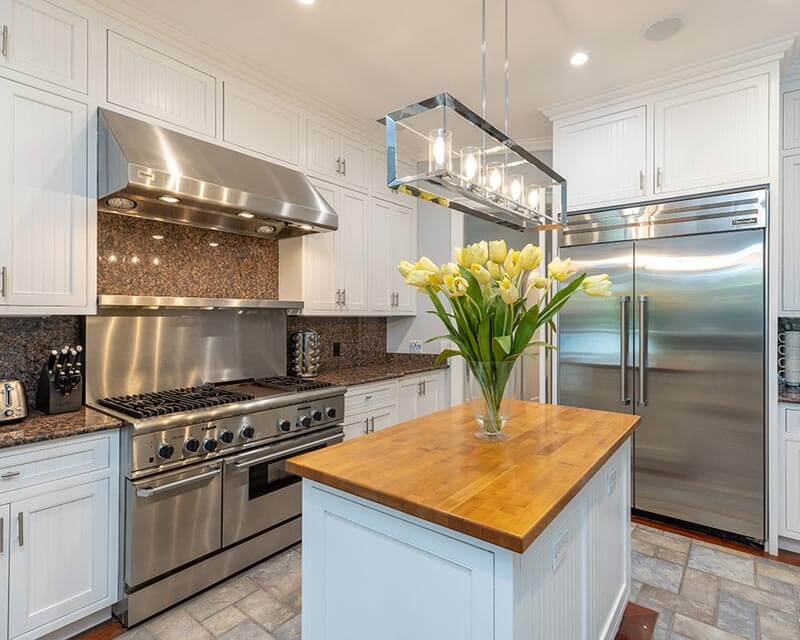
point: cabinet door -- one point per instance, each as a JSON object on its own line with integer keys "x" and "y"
{"x": 377, "y": 175}
{"x": 714, "y": 137}
{"x": 323, "y": 150}
{"x": 355, "y": 162}
{"x": 430, "y": 401}
{"x": 255, "y": 121}
{"x": 355, "y": 426}
{"x": 409, "y": 393}
{"x": 320, "y": 284}
{"x": 352, "y": 251}
{"x": 401, "y": 229}
{"x": 46, "y": 42}
{"x": 59, "y": 555}
{"x": 791, "y": 233}
{"x": 383, "y": 418}
{"x": 5, "y": 537}
{"x": 791, "y": 120}
{"x": 147, "y": 81}
{"x": 381, "y": 251}
{"x": 603, "y": 159}
{"x": 792, "y": 486}
{"x": 43, "y": 191}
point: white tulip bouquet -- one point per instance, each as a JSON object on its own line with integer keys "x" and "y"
{"x": 490, "y": 319}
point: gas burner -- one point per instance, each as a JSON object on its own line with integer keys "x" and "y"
{"x": 159, "y": 403}
{"x": 286, "y": 383}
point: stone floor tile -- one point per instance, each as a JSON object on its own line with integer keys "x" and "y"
{"x": 696, "y": 630}
{"x": 655, "y": 572}
{"x": 765, "y": 598}
{"x": 670, "y": 555}
{"x": 218, "y": 598}
{"x": 724, "y": 565}
{"x": 137, "y": 633}
{"x": 177, "y": 624}
{"x": 661, "y": 600}
{"x": 645, "y": 548}
{"x": 265, "y": 609}
{"x": 294, "y": 600}
{"x": 782, "y": 572}
{"x": 699, "y": 587}
{"x": 282, "y": 563}
{"x": 636, "y": 586}
{"x": 224, "y": 620}
{"x": 675, "y": 636}
{"x": 247, "y": 630}
{"x": 774, "y": 586}
{"x": 662, "y": 539}
{"x": 737, "y": 616}
{"x": 776, "y": 625}
{"x": 289, "y": 630}
{"x": 284, "y": 587}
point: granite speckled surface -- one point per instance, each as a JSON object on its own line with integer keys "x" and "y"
{"x": 26, "y": 343}
{"x": 389, "y": 370}
{"x": 788, "y": 394}
{"x": 362, "y": 341}
{"x": 183, "y": 263}
{"x": 39, "y": 427}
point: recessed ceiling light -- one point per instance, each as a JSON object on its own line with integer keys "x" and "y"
{"x": 213, "y": 244}
{"x": 246, "y": 214}
{"x": 579, "y": 58}
{"x": 307, "y": 2}
{"x": 158, "y": 237}
{"x": 663, "y": 29}
{"x": 169, "y": 199}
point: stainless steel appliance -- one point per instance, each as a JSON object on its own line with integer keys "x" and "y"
{"x": 304, "y": 353}
{"x": 681, "y": 343}
{"x": 151, "y": 172}
{"x": 14, "y": 401}
{"x": 206, "y": 491}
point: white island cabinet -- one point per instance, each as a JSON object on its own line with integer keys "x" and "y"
{"x": 396, "y": 545}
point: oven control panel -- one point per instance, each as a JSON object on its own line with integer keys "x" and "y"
{"x": 175, "y": 446}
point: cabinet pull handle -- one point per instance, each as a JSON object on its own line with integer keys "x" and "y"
{"x": 3, "y": 281}
{"x": 366, "y": 425}
{"x": 2, "y": 534}
{"x": 20, "y": 529}
{"x": 641, "y": 181}
{"x": 338, "y": 297}
{"x": 623, "y": 349}
{"x": 344, "y": 297}
{"x": 372, "y": 424}
{"x": 642, "y": 351}
{"x": 9, "y": 474}
{"x": 424, "y": 387}
{"x": 5, "y": 41}
{"x": 338, "y": 166}
{"x": 344, "y": 166}
{"x": 658, "y": 178}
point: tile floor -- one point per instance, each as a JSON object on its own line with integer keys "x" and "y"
{"x": 705, "y": 592}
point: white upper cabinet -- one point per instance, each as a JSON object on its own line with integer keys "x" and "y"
{"x": 604, "y": 159}
{"x": 791, "y": 120}
{"x": 713, "y": 137}
{"x": 791, "y": 233}
{"x": 258, "y": 122}
{"x": 333, "y": 154}
{"x": 393, "y": 232}
{"x": 147, "y": 81}
{"x": 378, "y": 178}
{"x": 319, "y": 254}
{"x": 43, "y": 199}
{"x": 44, "y": 41}
{"x": 351, "y": 249}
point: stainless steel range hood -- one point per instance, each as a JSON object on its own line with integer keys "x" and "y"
{"x": 150, "y": 172}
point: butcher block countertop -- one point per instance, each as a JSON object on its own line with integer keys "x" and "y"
{"x": 505, "y": 493}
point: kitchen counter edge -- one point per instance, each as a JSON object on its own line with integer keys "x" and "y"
{"x": 42, "y": 427}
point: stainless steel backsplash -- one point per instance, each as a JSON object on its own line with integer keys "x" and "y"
{"x": 136, "y": 351}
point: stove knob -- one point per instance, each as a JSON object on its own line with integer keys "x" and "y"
{"x": 210, "y": 445}
{"x": 330, "y": 412}
{"x": 165, "y": 451}
{"x": 247, "y": 431}
{"x": 304, "y": 421}
{"x": 317, "y": 415}
{"x": 284, "y": 425}
{"x": 191, "y": 445}
{"x": 226, "y": 437}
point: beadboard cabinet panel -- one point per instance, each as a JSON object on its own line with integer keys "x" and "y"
{"x": 46, "y": 42}
{"x": 147, "y": 81}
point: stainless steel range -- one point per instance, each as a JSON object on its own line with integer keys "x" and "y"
{"x": 206, "y": 491}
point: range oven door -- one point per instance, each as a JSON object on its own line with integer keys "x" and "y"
{"x": 259, "y": 492}
{"x": 171, "y": 520}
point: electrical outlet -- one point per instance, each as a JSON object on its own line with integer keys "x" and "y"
{"x": 337, "y": 348}
{"x": 415, "y": 346}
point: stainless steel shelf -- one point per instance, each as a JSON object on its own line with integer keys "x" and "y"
{"x": 168, "y": 302}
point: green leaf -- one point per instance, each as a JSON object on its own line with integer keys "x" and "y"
{"x": 485, "y": 340}
{"x": 473, "y": 290}
{"x": 445, "y": 354}
{"x": 504, "y": 342}
{"x": 525, "y": 329}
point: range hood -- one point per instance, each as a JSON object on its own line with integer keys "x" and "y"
{"x": 150, "y": 172}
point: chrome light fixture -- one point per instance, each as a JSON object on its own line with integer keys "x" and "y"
{"x": 467, "y": 164}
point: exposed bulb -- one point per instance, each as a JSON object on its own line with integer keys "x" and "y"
{"x": 495, "y": 180}
{"x": 470, "y": 166}
{"x": 516, "y": 188}
{"x": 533, "y": 199}
{"x": 438, "y": 151}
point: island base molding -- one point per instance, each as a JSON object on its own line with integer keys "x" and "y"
{"x": 373, "y": 572}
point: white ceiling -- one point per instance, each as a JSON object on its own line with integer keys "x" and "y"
{"x": 367, "y": 57}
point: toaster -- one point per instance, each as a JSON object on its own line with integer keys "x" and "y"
{"x": 13, "y": 401}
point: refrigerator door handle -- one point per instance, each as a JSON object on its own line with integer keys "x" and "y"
{"x": 623, "y": 350}
{"x": 642, "y": 351}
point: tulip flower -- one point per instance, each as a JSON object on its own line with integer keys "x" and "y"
{"x": 426, "y": 264}
{"x": 458, "y": 255}
{"x": 540, "y": 282}
{"x": 599, "y": 286}
{"x": 456, "y": 285}
{"x": 508, "y": 291}
{"x": 418, "y": 278}
{"x": 512, "y": 265}
{"x": 495, "y": 270}
{"x": 481, "y": 274}
{"x": 531, "y": 257}
{"x": 497, "y": 251}
{"x": 405, "y": 268}
{"x": 559, "y": 269}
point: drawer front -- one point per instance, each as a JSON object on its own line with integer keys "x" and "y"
{"x": 46, "y": 463}
{"x": 361, "y": 399}
{"x": 793, "y": 421}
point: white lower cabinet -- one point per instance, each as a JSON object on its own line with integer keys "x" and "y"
{"x": 58, "y": 561}
{"x": 421, "y": 395}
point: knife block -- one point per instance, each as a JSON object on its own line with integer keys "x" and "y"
{"x": 50, "y": 399}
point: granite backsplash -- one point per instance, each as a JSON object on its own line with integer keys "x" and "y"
{"x": 26, "y": 344}
{"x": 151, "y": 258}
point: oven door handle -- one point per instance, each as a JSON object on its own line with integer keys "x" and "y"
{"x": 149, "y": 492}
{"x": 279, "y": 454}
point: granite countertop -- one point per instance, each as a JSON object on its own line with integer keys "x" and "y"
{"x": 39, "y": 426}
{"x": 505, "y": 493}
{"x": 788, "y": 394}
{"x": 375, "y": 372}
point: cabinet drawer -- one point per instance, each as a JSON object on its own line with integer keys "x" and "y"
{"x": 361, "y": 399}
{"x": 792, "y": 421}
{"x": 49, "y": 462}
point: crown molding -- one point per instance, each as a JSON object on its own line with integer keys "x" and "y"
{"x": 776, "y": 50}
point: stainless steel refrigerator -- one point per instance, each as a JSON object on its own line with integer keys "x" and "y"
{"x": 680, "y": 343}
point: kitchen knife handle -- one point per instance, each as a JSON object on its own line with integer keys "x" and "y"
{"x": 623, "y": 349}
{"x": 642, "y": 351}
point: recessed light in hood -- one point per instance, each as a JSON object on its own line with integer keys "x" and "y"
{"x": 121, "y": 203}
{"x": 169, "y": 199}
{"x": 246, "y": 214}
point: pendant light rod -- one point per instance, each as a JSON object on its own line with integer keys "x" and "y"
{"x": 506, "y": 70}
{"x": 483, "y": 59}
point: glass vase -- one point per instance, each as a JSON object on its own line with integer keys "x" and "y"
{"x": 489, "y": 392}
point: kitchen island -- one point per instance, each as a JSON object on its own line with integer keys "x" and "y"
{"x": 424, "y": 531}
